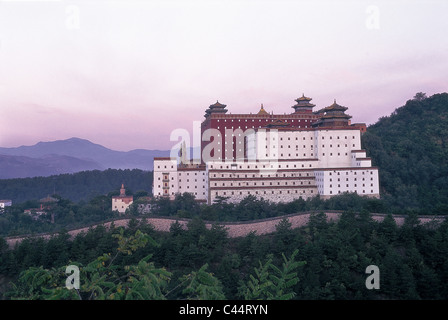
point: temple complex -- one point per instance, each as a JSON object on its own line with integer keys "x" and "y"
{"x": 278, "y": 157}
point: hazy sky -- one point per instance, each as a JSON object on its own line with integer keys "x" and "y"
{"x": 124, "y": 74}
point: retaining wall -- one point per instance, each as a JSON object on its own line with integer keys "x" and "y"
{"x": 235, "y": 229}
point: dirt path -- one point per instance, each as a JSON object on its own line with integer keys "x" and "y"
{"x": 234, "y": 229}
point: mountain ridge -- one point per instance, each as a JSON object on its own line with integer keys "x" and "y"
{"x": 70, "y": 156}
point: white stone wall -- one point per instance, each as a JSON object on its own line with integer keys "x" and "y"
{"x": 297, "y": 145}
{"x": 360, "y": 159}
{"x": 334, "y": 147}
{"x": 286, "y": 194}
{"x": 283, "y": 145}
{"x": 165, "y": 178}
{"x": 363, "y": 181}
{"x": 120, "y": 205}
{"x": 284, "y": 181}
{"x": 194, "y": 182}
{"x": 331, "y": 147}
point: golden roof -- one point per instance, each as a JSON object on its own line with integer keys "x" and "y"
{"x": 217, "y": 104}
{"x": 303, "y": 98}
{"x": 335, "y": 106}
{"x": 262, "y": 111}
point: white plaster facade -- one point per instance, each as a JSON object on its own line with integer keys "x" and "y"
{"x": 280, "y": 166}
{"x": 166, "y": 182}
{"x": 170, "y": 179}
{"x": 122, "y": 202}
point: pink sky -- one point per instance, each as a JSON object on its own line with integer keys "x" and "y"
{"x": 125, "y": 74}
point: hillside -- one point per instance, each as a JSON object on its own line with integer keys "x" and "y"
{"x": 410, "y": 147}
{"x": 412, "y": 260}
{"x": 23, "y": 167}
{"x": 77, "y": 186}
{"x": 69, "y": 156}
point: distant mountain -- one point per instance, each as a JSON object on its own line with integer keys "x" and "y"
{"x": 71, "y": 155}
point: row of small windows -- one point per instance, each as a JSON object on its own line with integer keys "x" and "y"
{"x": 275, "y": 155}
{"x": 346, "y": 179}
{"x": 355, "y": 172}
{"x": 331, "y": 146}
{"x": 260, "y": 192}
{"x": 172, "y": 167}
{"x": 272, "y": 120}
{"x": 289, "y": 146}
{"x": 296, "y": 147}
{"x": 254, "y": 184}
{"x": 363, "y": 191}
{"x": 165, "y": 177}
{"x": 346, "y": 173}
{"x": 311, "y": 138}
{"x": 289, "y": 138}
{"x": 253, "y": 175}
{"x": 188, "y": 187}
{"x": 355, "y": 185}
{"x": 256, "y": 166}
{"x": 239, "y": 142}
{"x": 331, "y": 154}
{"x": 167, "y": 186}
{"x": 158, "y": 167}
{"x": 271, "y": 183}
{"x": 172, "y": 193}
{"x": 289, "y": 155}
{"x": 188, "y": 173}
{"x": 253, "y": 127}
{"x": 323, "y": 138}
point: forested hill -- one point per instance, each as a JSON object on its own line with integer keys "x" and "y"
{"x": 77, "y": 186}
{"x": 410, "y": 147}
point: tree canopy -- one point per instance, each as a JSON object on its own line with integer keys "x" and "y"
{"x": 410, "y": 147}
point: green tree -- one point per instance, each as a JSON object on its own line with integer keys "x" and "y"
{"x": 388, "y": 228}
{"x": 271, "y": 282}
{"x": 37, "y": 283}
{"x": 100, "y": 279}
{"x": 145, "y": 282}
{"x": 202, "y": 285}
{"x": 284, "y": 237}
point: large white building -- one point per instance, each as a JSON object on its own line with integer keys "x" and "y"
{"x": 319, "y": 153}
